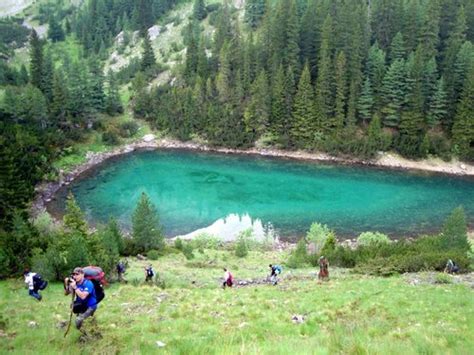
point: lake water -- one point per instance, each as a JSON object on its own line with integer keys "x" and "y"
{"x": 194, "y": 190}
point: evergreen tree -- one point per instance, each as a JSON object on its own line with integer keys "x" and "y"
{"x": 96, "y": 84}
{"x": 47, "y": 76}
{"x": 60, "y": 103}
{"x": 376, "y": 72}
{"x": 23, "y": 77}
{"x": 113, "y": 104}
{"x": 325, "y": 81}
{"x": 55, "y": 30}
{"x": 254, "y": 11}
{"x": 454, "y": 232}
{"x": 148, "y": 61}
{"x": 341, "y": 92}
{"x": 386, "y": 16}
{"x": 199, "y": 10}
{"x": 397, "y": 48}
{"x": 279, "y": 111}
{"x": 366, "y": 102}
{"x": 463, "y": 127}
{"x": 303, "y": 112}
{"x": 257, "y": 113}
{"x": 116, "y": 235}
{"x": 429, "y": 39}
{"x": 36, "y": 60}
{"x": 309, "y": 38}
{"x": 32, "y": 107}
{"x": 224, "y": 75}
{"x": 438, "y": 105}
{"x": 146, "y": 229}
{"x": 393, "y": 93}
{"x": 74, "y": 219}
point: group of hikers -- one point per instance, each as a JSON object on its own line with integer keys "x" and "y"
{"x": 86, "y": 284}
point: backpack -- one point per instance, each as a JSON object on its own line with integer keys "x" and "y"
{"x": 97, "y": 276}
{"x": 39, "y": 283}
{"x": 150, "y": 272}
{"x": 278, "y": 269}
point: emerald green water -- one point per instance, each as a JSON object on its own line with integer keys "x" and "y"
{"x": 192, "y": 190}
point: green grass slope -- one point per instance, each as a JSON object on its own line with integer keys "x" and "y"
{"x": 193, "y": 315}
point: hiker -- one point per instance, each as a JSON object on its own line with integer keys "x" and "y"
{"x": 149, "y": 273}
{"x": 228, "y": 279}
{"x": 275, "y": 271}
{"x": 35, "y": 284}
{"x": 85, "y": 303}
{"x": 451, "y": 267}
{"x": 323, "y": 269}
{"x": 120, "y": 271}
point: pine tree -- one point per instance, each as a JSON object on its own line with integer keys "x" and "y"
{"x": 386, "y": 16}
{"x": 257, "y": 113}
{"x": 303, "y": 112}
{"x": 146, "y": 229}
{"x": 393, "y": 93}
{"x": 148, "y": 61}
{"x": 341, "y": 92}
{"x": 309, "y": 38}
{"x": 397, "y": 48}
{"x": 279, "y": 111}
{"x": 325, "y": 82}
{"x": 36, "y": 60}
{"x": 113, "y": 104}
{"x": 23, "y": 77}
{"x": 376, "y": 71}
{"x": 60, "y": 103}
{"x": 55, "y": 30}
{"x": 463, "y": 127}
{"x": 454, "y": 232}
{"x": 199, "y": 10}
{"x": 430, "y": 29}
{"x": 254, "y": 11}
{"x": 438, "y": 105}
{"x": 74, "y": 219}
{"x": 47, "y": 76}
{"x": 96, "y": 86}
{"x": 366, "y": 102}
{"x": 224, "y": 75}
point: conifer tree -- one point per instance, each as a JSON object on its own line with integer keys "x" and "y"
{"x": 199, "y": 10}
{"x": 303, "y": 123}
{"x": 74, "y": 219}
{"x": 397, "y": 48}
{"x": 463, "y": 127}
{"x": 393, "y": 93}
{"x": 430, "y": 29}
{"x": 60, "y": 103}
{"x": 55, "y": 30}
{"x": 148, "y": 61}
{"x": 47, "y": 76}
{"x": 325, "y": 81}
{"x": 279, "y": 111}
{"x": 36, "y": 60}
{"x": 454, "y": 232}
{"x": 438, "y": 105}
{"x": 113, "y": 104}
{"x": 257, "y": 113}
{"x": 366, "y": 102}
{"x": 202, "y": 69}
{"x": 96, "y": 86}
{"x": 309, "y": 38}
{"x": 376, "y": 71}
{"x": 341, "y": 92}
{"x": 146, "y": 228}
{"x": 254, "y": 11}
{"x": 224, "y": 75}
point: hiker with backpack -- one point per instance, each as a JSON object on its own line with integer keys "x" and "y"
{"x": 35, "y": 283}
{"x": 85, "y": 303}
{"x": 228, "y": 279}
{"x": 323, "y": 269}
{"x": 120, "y": 271}
{"x": 149, "y": 273}
{"x": 451, "y": 267}
{"x": 275, "y": 270}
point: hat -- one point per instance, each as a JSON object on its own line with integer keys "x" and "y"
{"x": 78, "y": 270}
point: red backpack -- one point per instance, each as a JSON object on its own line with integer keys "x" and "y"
{"x": 97, "y": 276}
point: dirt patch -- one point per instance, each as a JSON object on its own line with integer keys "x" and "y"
{"x": 437, "y": 278}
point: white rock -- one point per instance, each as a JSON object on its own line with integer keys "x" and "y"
{"x": 32, "y": 324}
{"x": 154, "y": 31}
{"x": 463, "y": 167}
{"x": 160, "y": 344}
{"x": 148, "y": 138}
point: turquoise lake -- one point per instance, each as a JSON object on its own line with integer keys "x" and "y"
{"x": 193, "y": 190}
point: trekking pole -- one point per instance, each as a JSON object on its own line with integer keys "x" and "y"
{"x": 70, "y": 316}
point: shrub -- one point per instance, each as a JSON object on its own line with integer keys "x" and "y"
{"x": 442, "y": 278}
{"x": 455, "y": 231}
{"x": 178, "y": 244}
{"x": 153, "y": 254}
{"x": 299, "y": 256}
{"x": 128, "y": 129}
{"x": 205, "y": 241}
{"x": 187, "y": 250}
{"x": 110, "y": 137}
{"x": 241, "y": 247}
{"x": 371, "y": 238}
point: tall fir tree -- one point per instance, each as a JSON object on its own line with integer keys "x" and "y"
{"x": 257, "y": 112}
{"x": 393, "y": 93}
{"x": 60, "y": 103}
{"x": 437, "y": 110}
{"x": 254, "y": 12}
{"x": 146, "y": 228}
{"x": 113, "y": 104}
{"x": 199, "y": 10}
{"x": 148, "y": 60}
{"x": 304, "y": 113}
{"x": 366, "y": 102}
{"x": 341, "y": 93}
{"x": 36, "y": 60}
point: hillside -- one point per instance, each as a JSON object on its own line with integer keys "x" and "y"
{"x": 191, "y": 314}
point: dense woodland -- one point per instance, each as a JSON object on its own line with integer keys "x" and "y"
{"x": 345, "y": 77}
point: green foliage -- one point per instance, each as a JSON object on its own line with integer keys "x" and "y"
{"x": 372, "y": 238}
{"x": 188, "y": 250}
{"x": 128, "y": 129}
{"x": 454, "y": 233}
{"x": 298, "y": 257}
{"x": 318, "y": 234}
{"x": 147, "y": 231}
{"x": 241, "y": 246}
{"x": 74, "y": 219}
{"x": 111, "y": 137}
{"x": 153, "y": 254}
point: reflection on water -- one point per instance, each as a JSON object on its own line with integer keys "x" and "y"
{"x": 229, "y": 228}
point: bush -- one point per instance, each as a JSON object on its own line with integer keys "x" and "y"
{"x": 110, "y": 137}
{"x": 454, "y": 234}
{"x": 372, "y": 238}
{"x": 188, "y": 251}
{"x": 128, "y": 129}
{"x": 205, "y": 241}
{"x": 241, "y": 247}
{"x": 442, "y": 278}
{"x": 298, "y": 257}
{"x": 178, "y": 244}
{"x": 153, "y": 255}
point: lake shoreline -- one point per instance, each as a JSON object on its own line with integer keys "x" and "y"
{"x": 46, "y": 191}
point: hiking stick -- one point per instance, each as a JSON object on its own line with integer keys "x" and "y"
{"x": 70, "y": 316}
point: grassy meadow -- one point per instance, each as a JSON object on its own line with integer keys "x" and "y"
{"x": 190, "y": 314}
